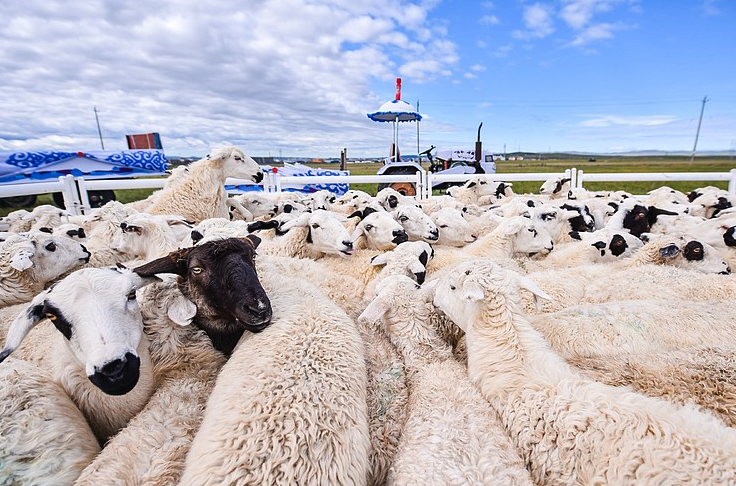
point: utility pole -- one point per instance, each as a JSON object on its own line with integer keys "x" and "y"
{"x": 98, "y": 129}
{"x": 697, "y": 133}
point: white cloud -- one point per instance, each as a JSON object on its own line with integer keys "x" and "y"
{"x": 262, "y": 74}
{"x": 538, "y": 22}
{"x": 710, "y": 8}
{"x": 602, "y": 121}
{"x": 489, "y": 20}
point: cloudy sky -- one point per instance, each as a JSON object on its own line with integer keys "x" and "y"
{"x": 297, "y": 77}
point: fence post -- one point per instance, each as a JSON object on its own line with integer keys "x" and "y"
{"x": 580, "y": 179}
{"x": 429, "y": 185}
{"x": 85, "y": 206}
{"x": 732, "y": 182}
{"x": 420, "y": 185}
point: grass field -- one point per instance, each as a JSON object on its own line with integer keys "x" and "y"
{"x": 600, "y": 165}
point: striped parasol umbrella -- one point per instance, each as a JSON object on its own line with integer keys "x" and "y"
{"x": 396, "y": 110}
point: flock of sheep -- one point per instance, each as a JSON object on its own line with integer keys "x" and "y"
{"x": 482, "y": 337}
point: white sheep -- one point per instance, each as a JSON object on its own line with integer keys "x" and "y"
{"x": 311, "y": 235}
{"x": 29, "y": 261}
{"x": 513, "y": 237}
{"x": 201, "y": 194}
{"x": 289, "y": 406}
{"x": 99, "y": 355}
{"x": 636, "y": 326}
{"x": 146, "y": 237}
{"x": 570, "y": 429}
{"x": 252, "y": 205}
{"x": 377, "y": 230}
{"x": 454, "y": 229}
{"x": 699, "y": 374}
{"x": 152, "y": 448}
{"x": 451, "y": 433}
{"x": 391, "y": 199}
{"x": 604, "y": 245}
{"x": 417, "y": 224}
{"x": 656, "y": 269}
{"x": 44, "y": 438}
{"x": 556, "y": 187}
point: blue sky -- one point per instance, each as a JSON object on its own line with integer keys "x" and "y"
{"x": 297, "y": 77}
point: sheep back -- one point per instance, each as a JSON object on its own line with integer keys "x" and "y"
{"x": 44, "y": 438}
{"x": 289, "y": 407}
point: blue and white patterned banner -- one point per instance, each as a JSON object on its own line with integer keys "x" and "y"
{"x": 35, "y": 166}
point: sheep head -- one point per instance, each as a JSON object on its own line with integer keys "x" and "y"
{"x": 236, "y": 164}
{"x": 95, "y": 309}
{"x": 219, "y": 277}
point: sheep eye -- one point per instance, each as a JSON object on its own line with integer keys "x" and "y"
{"x": 131, "y": 295}
{"x": 443, "y": 226}
{"x": 467, "y": 272}
{"x": 196, "y": 270}
{"x": 238, "y": 158}
{"x": 697, "y": 250}
{"x": 368, "y": 227}
{"x": 51, "y": 246}
{"x": 403, "y": 219}
{"x": 315, "y": 226}
{"x": 452, "y": 287}
{"x": 50, "y": 316}
{"x": 533, "y": 231}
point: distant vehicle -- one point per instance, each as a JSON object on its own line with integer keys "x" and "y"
{"x": 445, "y": 161}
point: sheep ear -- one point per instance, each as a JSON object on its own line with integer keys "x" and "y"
{"x": 381, "y": 258}
{"x": 530, "y": 286}
{"x": 21, "y": 259}
{"x": 182, "y": 310}
{"x": 175, "y": 262}
{"x": 357, "y": 233}
{"x": 375, "y": 310}
{"x": 428, "y": 289}
{"x": 254, "y": 240}
{"x": 512, "y": 228}
{"x": 473, "y": 291}
{"x": 301, "y": 221}
{"x": 29, "y": 317}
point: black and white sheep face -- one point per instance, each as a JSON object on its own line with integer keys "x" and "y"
{"x": 353, "y": 201}
{"x": 689, "y": 253}
{"x": 95, "y": 309}
{"x": 418, "y": 225}
{"x": 236, "y": 164}
{"x": 454, "y": 229}
{"x": 609, "y": 244}
{"x": 381, "y": 231}
{"x": 556, "y": 187}
{"x": 45, "y": 257}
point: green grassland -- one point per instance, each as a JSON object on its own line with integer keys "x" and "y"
{"x": 602, "y": 164}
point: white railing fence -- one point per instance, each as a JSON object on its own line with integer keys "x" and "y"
{"x": 75, "y": 191}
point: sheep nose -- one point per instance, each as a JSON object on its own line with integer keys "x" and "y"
{"x": 727, "y": 271}
{"x": 123, "y": 225}
{"x": 114, "y": 369}
{"x": 474, "y": 236}
{"x": 348, "y": 243}
{"x": 258, "y": 177}
{"x": 400, "y": 236}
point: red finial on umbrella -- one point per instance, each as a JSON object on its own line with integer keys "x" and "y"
{"x": 398, "y": 89}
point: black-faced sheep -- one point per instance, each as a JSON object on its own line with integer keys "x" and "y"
{"x": 224, "y": 271}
